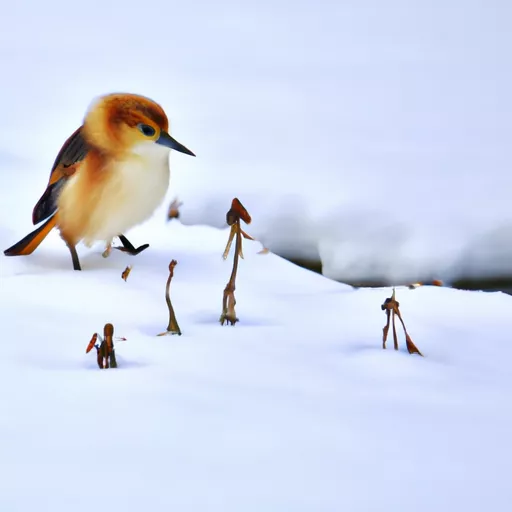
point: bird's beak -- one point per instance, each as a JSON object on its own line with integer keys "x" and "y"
{"x": 166, "y": 140}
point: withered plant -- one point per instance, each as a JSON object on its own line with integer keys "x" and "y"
{"x": 173, "y": 327}
{"x": 236, "y": 214}
{"x": 126, "y": 273}
{"x": 174, "y": 209}
{"x": 391, "y": 307}
{"x": 106, "y": 355}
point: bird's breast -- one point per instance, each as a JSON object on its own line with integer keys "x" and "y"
{"x": 109, "y": 201}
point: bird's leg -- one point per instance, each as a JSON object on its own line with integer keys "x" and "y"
{"x": 129, "y": 248}
{"x": 74, "y": 256}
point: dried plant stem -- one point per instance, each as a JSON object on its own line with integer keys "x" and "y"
{"x": 395, "y": 336}
{"x": 385, "y": 329}
{"x": 105, "y": 353}
{"x": 391, "y": 307}
{"x": 101, "y": 355}
{"x": 234, "y": 216}
{"x": 172, "y": 327}
{"x": 174, "y": 209}
{"x": 228, "y": 300}
{"x": 411, "y": 347}
{"x": 126, "y": 272}
{"x": 109, "y": 341}
{"x": 232, "y": 234}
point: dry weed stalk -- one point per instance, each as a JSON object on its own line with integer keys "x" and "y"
{"x": 106, "y": 355}
{"x": 391, "y": 307}
{"x": 126, "y": 272}
{"x": 174, "y": 209}
{"x": 233, "y": 218}
{"x": 173, "y": 327}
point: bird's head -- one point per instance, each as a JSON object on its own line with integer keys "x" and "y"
{"x": 121, "y": 123}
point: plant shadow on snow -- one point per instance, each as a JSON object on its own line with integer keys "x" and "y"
{"x": 245, "y": 319}
{"x": 363, "y": 350}
{"x": 376, "y": 350}
{"x": 201, "y": 319}
{"x": 57, "y": 257}
{"x": 88, "y": 363}
{"x": 154, "y": 262}
{"x": 153, "y": 330}
{"x": 61, "y": 261}
{"x": 122, "y": 364}
{"x": 204, "y": 318}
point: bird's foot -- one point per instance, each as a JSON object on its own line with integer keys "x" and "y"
{"x": 134, "y": 251}
{"x": 129, "y": 248}
{"x": 108, "y": 250}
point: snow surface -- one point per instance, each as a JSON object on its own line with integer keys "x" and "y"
{"x": 375, "y": 135}
{"x": 296, "y": 408}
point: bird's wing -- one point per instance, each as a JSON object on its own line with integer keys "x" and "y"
{"x": 73, "y": 151}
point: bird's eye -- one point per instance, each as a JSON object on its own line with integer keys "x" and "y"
{"x": 147, "y": 130}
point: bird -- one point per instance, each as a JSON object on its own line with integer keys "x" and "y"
{"x": 109, "y": 176}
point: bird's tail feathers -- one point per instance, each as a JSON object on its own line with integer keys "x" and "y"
{"x": 31, "y": 242}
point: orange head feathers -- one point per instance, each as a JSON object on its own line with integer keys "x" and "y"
{"x": 118, "y": 122}
{"x": 110, "y": 175}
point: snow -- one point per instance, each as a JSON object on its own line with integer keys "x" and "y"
{"x": 296, "y": 407}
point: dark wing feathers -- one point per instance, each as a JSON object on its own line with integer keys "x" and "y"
{"x": 47, "y": 204}
{"x": 73, "y": 151}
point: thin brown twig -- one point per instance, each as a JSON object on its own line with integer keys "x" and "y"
{"x": 385, "y": 329}
{"x": 172, "y": 327}
{"x": 395, "y": 336}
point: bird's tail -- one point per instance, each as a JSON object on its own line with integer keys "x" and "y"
{"x": 31, "y": 242}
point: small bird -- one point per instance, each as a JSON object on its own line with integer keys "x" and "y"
{"x": 109, "y": 176}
